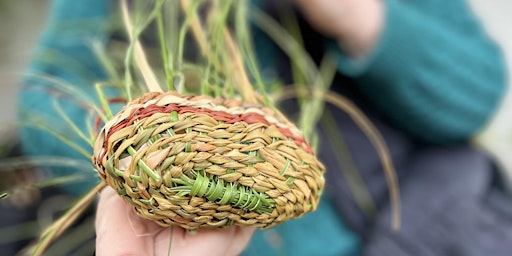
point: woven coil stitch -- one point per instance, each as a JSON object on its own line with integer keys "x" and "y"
{"x": 200, "y": 162}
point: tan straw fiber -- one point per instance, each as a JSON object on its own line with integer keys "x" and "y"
{"x": 200, "y": 162}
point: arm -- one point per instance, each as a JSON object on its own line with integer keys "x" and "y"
{"x": 355, "y": 24}
{"x": 431, "y": 69}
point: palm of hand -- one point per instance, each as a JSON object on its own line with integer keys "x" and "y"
{"x": 119, "y": 231}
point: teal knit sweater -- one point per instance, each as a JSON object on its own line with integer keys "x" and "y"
{"x": 434, "y": 74}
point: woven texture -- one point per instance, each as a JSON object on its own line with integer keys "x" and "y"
{"x": 200, "y": 162}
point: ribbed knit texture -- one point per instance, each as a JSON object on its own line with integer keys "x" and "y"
{"x": 434, "y": 73}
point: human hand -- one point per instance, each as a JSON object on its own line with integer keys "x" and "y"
{"x": 119, "y": 231}
{"x": 356, "y": 24}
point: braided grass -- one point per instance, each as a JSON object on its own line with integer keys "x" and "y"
{"x": 200, "y": 162}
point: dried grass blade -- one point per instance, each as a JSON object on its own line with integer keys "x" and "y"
{"x": 66, "y": 220}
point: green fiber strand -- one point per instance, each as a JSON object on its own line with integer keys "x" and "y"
{"x": 216, "y": 190}
{"x": 144, "y": 166}
{"x": 103, "y": 100}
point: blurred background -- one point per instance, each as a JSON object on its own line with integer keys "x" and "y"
{"x": 22, "y": 21}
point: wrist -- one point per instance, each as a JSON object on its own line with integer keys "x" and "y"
{"x": 360, "y": 28}
{"x": 355, "y": 24}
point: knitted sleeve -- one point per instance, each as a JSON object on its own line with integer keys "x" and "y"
{"x": 434, "y": 73}
{"x": 62, "y": 73}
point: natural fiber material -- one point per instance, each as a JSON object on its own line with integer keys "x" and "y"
{"x": 200, "y": 162}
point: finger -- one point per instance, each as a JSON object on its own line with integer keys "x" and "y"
{"x": 230, "y": 241}
{"x": 243, "y": 235}
{"x": 121, "y": 232}
{"x": 118, "y": 230}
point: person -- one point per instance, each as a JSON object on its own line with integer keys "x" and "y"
{"x": 424, "y": 72}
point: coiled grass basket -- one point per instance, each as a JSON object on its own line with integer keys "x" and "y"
{"x": 201, "y": 162}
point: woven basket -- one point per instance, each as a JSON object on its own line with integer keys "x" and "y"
{"x": 200, "y": 162}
